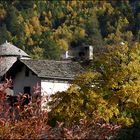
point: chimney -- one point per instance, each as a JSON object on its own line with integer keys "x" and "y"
{"x": 90, "y": 52}
{"x": 66, "y": 55}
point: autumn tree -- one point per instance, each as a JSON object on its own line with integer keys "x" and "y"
{"x": 80, "y": 101}
{"x": 111, "y": 88}
{"x": 71, "y": 23}
{"x": 120, "y": 78}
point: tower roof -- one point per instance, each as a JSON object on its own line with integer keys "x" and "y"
{"x": 7, "y": 49}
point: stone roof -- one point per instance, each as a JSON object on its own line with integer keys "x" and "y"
{"x": 54, "y": 69}
{"x": 8, "y": 49}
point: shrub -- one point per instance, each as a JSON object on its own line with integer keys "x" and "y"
{"x": 19, "y": 120}
{"x": 27, "y": 121}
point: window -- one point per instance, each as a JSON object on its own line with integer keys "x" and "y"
{"x": 26, "y": 72}
{"x": 86, "y": 48}
{"x": 81, "y": 54}
{"x": 27, "y": 90}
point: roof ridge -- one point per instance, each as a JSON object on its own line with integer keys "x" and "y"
{"x": 52, "y": 68}
{"x": 62, "y": 61}
{"x": 8, "y": 49}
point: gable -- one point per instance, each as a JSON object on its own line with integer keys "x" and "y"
{"x": 14, "y": 70}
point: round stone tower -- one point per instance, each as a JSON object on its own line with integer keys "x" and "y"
{"x": 9, "y": 55}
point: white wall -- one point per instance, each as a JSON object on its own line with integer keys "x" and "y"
{"x": 21, "y": 81}
{"x": 49, "y": 87}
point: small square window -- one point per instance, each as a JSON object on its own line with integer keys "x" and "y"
{"x": 81, "y": 54}
{"x": 27, "y": 90}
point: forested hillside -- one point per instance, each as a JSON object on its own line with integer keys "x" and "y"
{"x": 44, "y": 29}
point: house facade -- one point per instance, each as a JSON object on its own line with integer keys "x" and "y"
{"x": 49, "y": 75}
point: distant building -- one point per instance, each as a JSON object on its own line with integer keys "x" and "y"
{"x": 83, "y": 52}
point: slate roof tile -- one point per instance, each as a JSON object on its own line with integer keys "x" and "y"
{"x": 54, "y": 69}
{"x": 7, "y": 49}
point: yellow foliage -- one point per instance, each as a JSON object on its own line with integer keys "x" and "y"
{"x": 2, "y": 12}
{"x": 30, "y": 42}
{"x": 73, "y": 3}
{"x": 38, "y": 52}
{"x": 85, "y": 78}
{"x": 34, "y": 21}
{"x": 80, "y": 33}
{"x": 63, "y": 44}
{"x": 122, "y": 23}
{"x": 31, "y": 28}
{"x": 105, "y": 6}
{"x": 47, "y": 20}
{"x": 61, "y": 14}
{"x": 49, "y": 14}
{"x": 20, "y": 19}
{"x": 125, "y": 121}
{"x": 63, "y": 33}
{"x": 69, "y": 8}
{"x": 27, "y": 30}
{"x": 81, "y": 20}
{"x": 74, "y": 15}
{"x": 34, "y": 6}
{"x": 63, "y": 2}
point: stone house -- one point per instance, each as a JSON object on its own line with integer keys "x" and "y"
{"x": 78, "y": 53}
{"x": 50, "y": 75}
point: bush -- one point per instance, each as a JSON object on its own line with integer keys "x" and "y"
{"x": 27, "y": 121}
{"x": 19, "y": 120}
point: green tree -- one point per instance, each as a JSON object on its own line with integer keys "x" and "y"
{"x": 93, "y": 31}
{"x": 112, "y": 90}
{"x": 120, "y": 79}
{"x": 52, "y": 51}
{"x": 12, "y": 21}
{"x": 70, "y": 22}
{"x": 38, "y": 53}
{"x": 80, "y": 101}
{"x": 4, "y": 34}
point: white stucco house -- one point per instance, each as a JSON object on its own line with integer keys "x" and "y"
{"x": 50, "y": 75}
